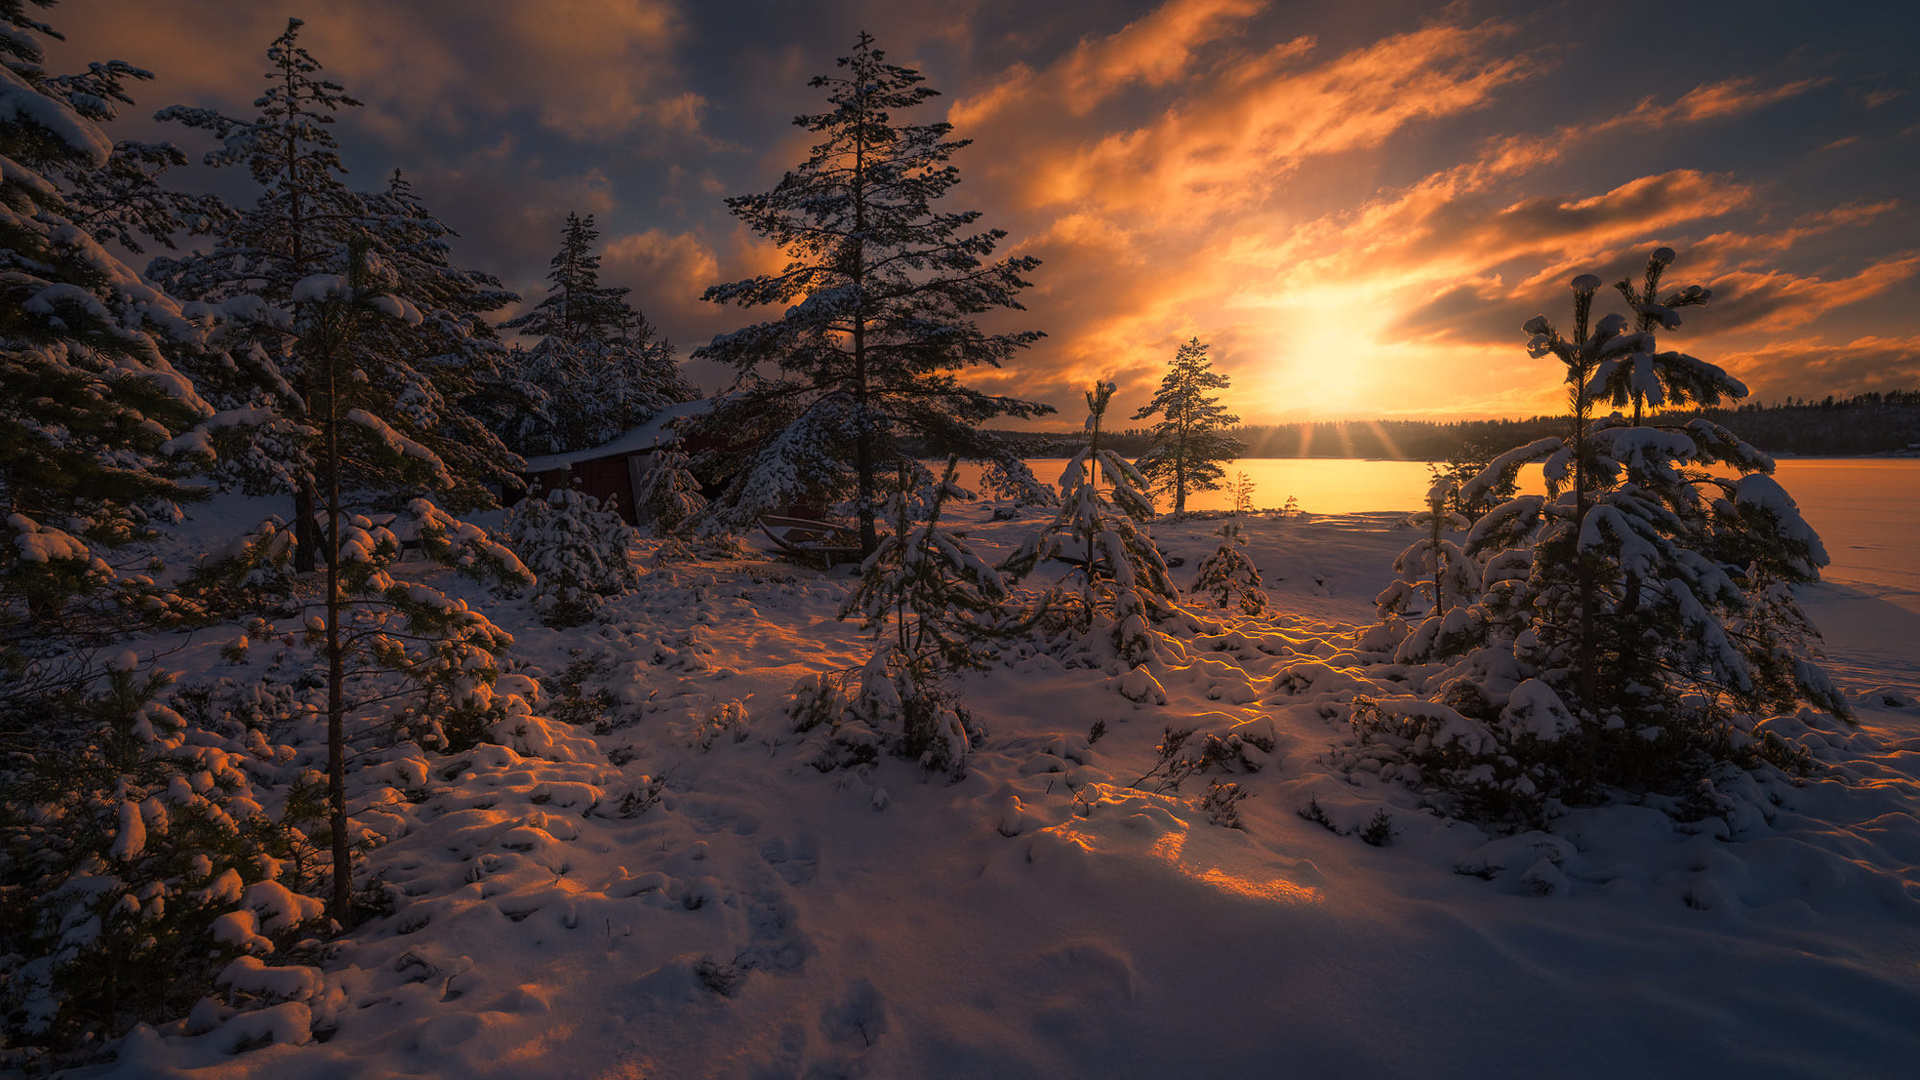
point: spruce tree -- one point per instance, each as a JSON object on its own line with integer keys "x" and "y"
{"x": 96, "y": 837}
{"x": 934, "y": 607}
{"x": 439, "y": 379}
{"x": 300, "y": 225}
{"x": 1191, "y": 444}
{"x": 599, "y": 368}
{"x": 89, "y": 403}
{"x": 1100, "y": 526}
{"x": 879, "y": 296}
{"x": 367, "y": 617}
{"x": 1428, "y": 603}
{"x": 426, "y": 380}
{"x": 1635, "y": 622}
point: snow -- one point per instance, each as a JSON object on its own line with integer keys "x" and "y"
{"x": 21, "y": 103}
{"x": 668, "y": 889}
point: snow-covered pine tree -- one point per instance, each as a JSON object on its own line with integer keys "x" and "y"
{"x": 578, "y": 550}
{"x": 934, "y": 607}
{"x": 89, "y": 402}
{"x": 1428, "y": 604}
{"x": 1228, "y": 576}
{"x": 122, "y": 200}
{"x": 131, "y": 854}
{"x": 599, "y": 368}
{"x": 367, "y": 616}
{"x": 423, "y": 379}
{"x": 1190, "y": 443}
{"x": 1638, "y": 624}
{"x": 879, "y": 293}
{"x": 576, "y": 308}
{"x": 671, "y": 496}
{"x": 100, "y": 824}
{"x": 300, "y": 225}
{"x": 438, "y": 379}
{"x": 1121, "y": 575}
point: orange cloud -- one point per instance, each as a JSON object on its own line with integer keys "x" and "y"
{"x": 1777, "y": 300}
{"x": 1710, "y": 101}
{"x": 1157, "y": 50}
{"x": 1236, "y": 125}
{"x": 1814, "y": 367}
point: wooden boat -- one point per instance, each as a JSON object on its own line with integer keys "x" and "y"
{"x": 818, "y": 543}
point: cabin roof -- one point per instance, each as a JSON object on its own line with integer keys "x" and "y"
{"x": 636, "y": 441}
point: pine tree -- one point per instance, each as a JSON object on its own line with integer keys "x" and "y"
{"x": 1229, "y": 577}
{"x": 367, "y": 616}
{"x": 1636, "y": 618}
{"x": 300, "y": 225}
{"x": 1191, "y": 443}
{"x": 425, "y": 379}
{"x": 1121, "y": 575}
{"x": 671, "y": 495}
{"x": 122, "y": 200}
{"x": 578, "y": 550}
{"x": 576, "y": 308}
{"x": 1436, "y": 584}
{"x": 934, "y": 607}
{"x": 599, "y": 369}
{"x": 92, "y": 415}
{"x": 439, "y": 378}
{"x": 879, "y": 292}
{"x": 89, "y": 402}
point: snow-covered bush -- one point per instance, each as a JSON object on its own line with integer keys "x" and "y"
{"x": 1119, "y": 578}
{"x": 138, "y": 857}
{"x": 1228, "y": 577}
{"x": 577, "y": 550}
{"x": 1428, "y": 606}
{"x": 934, "y": 607}
{"x": 670, "y": 494}
{"x": 1636, "y": 619}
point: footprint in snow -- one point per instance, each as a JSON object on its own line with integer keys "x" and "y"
{"x": 796, "y": 862}
{"x": 777, "y": 942}
{"x": 858, "y": 1019}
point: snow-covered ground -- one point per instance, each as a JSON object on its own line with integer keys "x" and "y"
{"x": 1040, "y": 917}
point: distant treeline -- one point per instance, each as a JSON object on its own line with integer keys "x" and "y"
{"x": 1875, "y": 423}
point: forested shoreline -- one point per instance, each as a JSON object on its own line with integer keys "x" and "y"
{"x": 1868, "y": 424}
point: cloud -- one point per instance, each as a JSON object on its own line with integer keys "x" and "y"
{"x": 1712, "y": 101}
{"x": 1156, "y": 50}
{"x": 1814, "y": 367}
{"x": 675, "y": 266}
{"x": 588, "y": 69}
{"x": 1777, "y": 300}
{"x": 1235, "y": 122}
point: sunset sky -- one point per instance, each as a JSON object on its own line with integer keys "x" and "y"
{"x": 1357, "y": 204}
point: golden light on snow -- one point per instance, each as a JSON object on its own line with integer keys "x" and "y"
{"x": 1171, "y": 849}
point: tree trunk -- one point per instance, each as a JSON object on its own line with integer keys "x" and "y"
{"x": 341, "y": 906}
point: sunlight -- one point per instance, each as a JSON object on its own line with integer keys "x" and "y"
{"x": 1171, "y": 849}
{"x": 1393, "y": 449}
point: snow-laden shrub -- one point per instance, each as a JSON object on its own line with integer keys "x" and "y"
{"x": 1428, "y": 606}
{"x": 577, "y": 550}
{"x": 139, "y": 856}
{"x": 1634, "y": 626}
{"x": 933, "y": 607}
{"x": 1120, "y": 580}
{"x": 1228, "y": 577}
{"x": 895, "y": 703}
{"x": 670, "y": 494}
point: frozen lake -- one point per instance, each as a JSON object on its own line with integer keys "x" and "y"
{"x": 1867, "y": 510}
